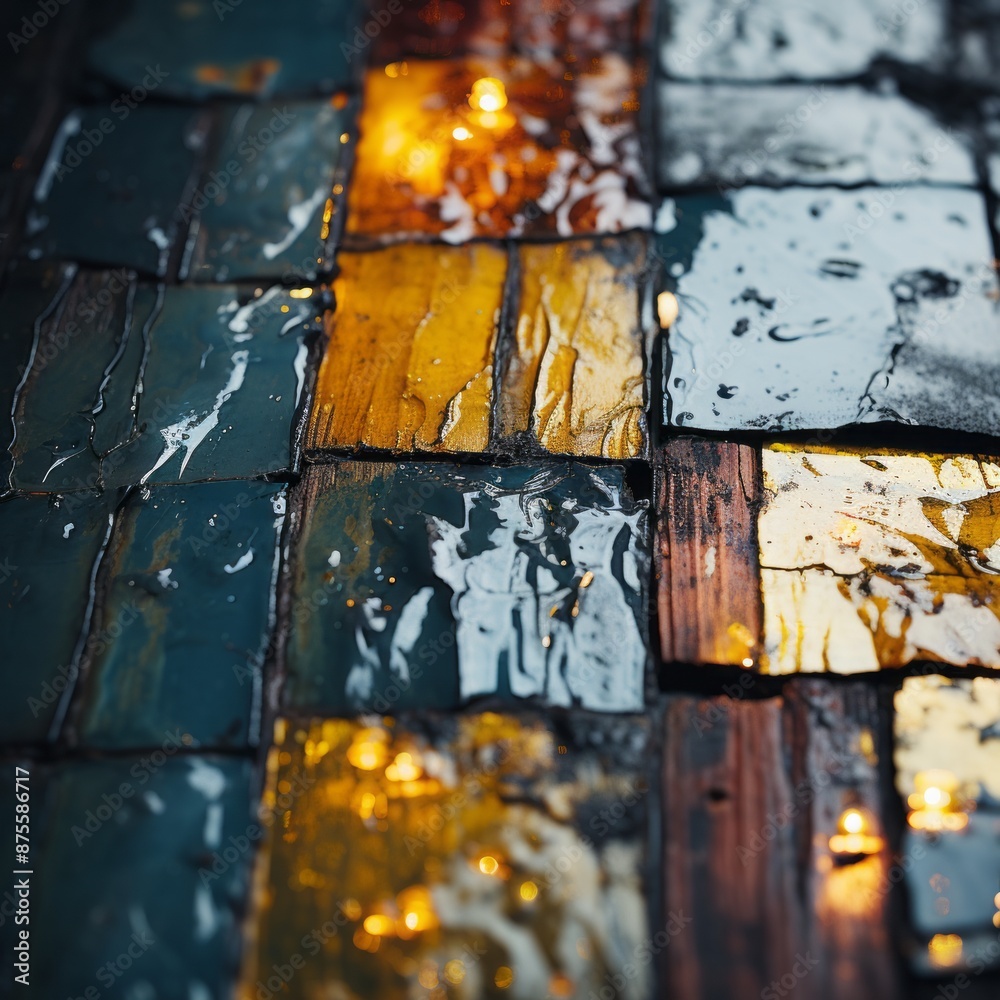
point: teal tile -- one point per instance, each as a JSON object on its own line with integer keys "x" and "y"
{"x": 266, "y": 206}
{"x": 294, "y": 48}
{"x": 428, "y": 586}
{"x": 125, "y": 901}
{"x": 113, "y": 185}
{"x": 49, "y": 548}
{"x": 161, "y": 385}
{"x": 185, "y": 613}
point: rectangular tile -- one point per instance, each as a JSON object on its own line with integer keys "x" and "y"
{"x": 807, "y": 309}
{"x": 762, "y": 798}
{"x": 732, "y": 135}
{"x": 267, "y": 201}
{"x": 226, "y": 47}
{"x": 707, "y": 564}
{"x": 480, "y": 855}
{"x": 430, "y": 585}
{"x": 185, "y": 612}
{"x": 487, "y": 147}
{"x": 777, "y": 40}
{"x": 114, "y": 183}
{"x": 874, "y": 559}
{"x": 158, "y": 380}
{"x": 125, "y": 899}
{"x": 947, "y": 757}
{"x": 574, "y": 379}
{"x": 49, "y": 551}
{"x": 410, "y": 358}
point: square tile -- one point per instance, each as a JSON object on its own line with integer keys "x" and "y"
{"x": 878, "y": 558}
{"x": 482, "y": 147}
{"x": 113, "y": 186}
{"x": 430, "y": 585}
{"x": 180, "y": 557}
{"x": 814, "y": 309}
{"x": 480, "y": 855}
{"x": 270, "y": 197}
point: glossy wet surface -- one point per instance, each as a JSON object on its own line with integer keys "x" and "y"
{"x": 443, "y": 439}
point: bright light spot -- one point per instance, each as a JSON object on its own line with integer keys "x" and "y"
{"x": 488, "y": 94}
{"x": 747, "y": 661}
{"x": 368, "y": 750}
{"x": 667, "y": 309}
{"x": 504, "y": 977}
{"x": 461, "y": 133}
{"x": 403, "y": 768}
{"x": 944, "y": 950}
{"x": 454, "y": 972}
{"x": 300, "y": 293}
{"x": 489, "y": 865}
{"x": 853, "y": 821}
{"x": 528, "y": 891}
{"x": 379, "y": 925}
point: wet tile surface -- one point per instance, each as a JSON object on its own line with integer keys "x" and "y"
{"x": 436, "y": 30}
{"x": 427, "y": 586}
{"x": 873, "y": 559}
{"x": 798, "y": 39}
{"x": 488, "y": 147}
{"x": 49, "y": 549}
{"x": 947, "y": 756}
{"x": 814, "y": 309}
{"x": 146, "y": 828}
{"x": 113, "y": 186}
{"x": 232, "y": 48}
{"x": 733, "y": 135}
{"x": 181, "y": 556}
{"x": 156, "y": 381}
{"x": 574, "y": 381}
{"x": 394, "y": 374}
{"x": 266, "y": 202}
{"x": 531, "y": 888}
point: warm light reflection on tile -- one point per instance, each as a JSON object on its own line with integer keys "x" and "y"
{"x": 441, "y": 153}
{"x": 875, "y": 559}
{"x": 575, "y": 379}
{"x": 485, "y": 867}
{"x": 409, "y": 363}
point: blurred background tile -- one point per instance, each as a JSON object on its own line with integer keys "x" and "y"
{"x": 480, "y": 855}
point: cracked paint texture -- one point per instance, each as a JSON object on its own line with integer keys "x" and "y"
{"x": 472, "y": 856}
{"x": 873, "y": 559}
{"x": 575, "y": 378}
{"x": 409, "y": 360}
{"x": 803, "y": 309}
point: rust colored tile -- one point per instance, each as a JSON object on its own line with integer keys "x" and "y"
{"x": 409, "y": 363}
{"x": 876, "y": 559}
{"x": 482, "y": 856}
{"x": 492, "y": 147}
{"x": 708, "y": 570}
{"x": 575, "y": 379}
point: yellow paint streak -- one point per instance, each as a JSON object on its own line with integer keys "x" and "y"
{"x": 409, "y": 361}
{"x": 576, "y": 378}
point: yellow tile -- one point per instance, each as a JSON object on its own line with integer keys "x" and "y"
{"x": 409, "y": 361}
{"x": 575, "y": 379}
{"x": 874, "y": 559}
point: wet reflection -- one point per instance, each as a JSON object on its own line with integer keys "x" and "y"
{"x": 948, "y": 771}
{"x": 474, "y": 857}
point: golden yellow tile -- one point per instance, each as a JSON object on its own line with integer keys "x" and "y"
{"x": 462, "y": 857}
{"x": 409, "y": 361}
{"x": 492, "y": 147}
{"x": 875, "y": 559}
{"x": 575, "y": 378}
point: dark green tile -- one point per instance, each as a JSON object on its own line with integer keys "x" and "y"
{"x": 164, "y": 385}
{"x": 49, "y": 547}
{"x": 185, "y": 613}
{"x": 267, "y": 203}
{"x": 297, "y": 47}
{"x": 431, "y": 585}
{"x": 125, "y": 877}
{"x": 112, "y": 187}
